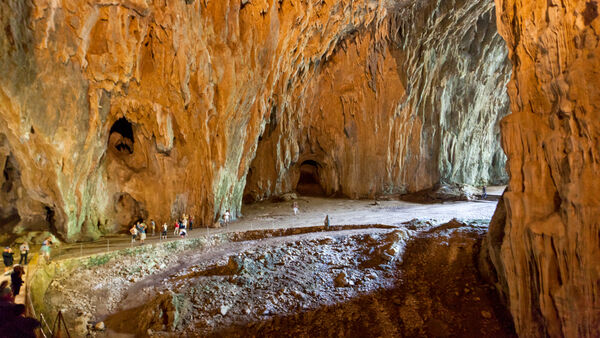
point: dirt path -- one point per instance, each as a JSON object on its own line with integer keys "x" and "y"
{"x": 269, "y": 215}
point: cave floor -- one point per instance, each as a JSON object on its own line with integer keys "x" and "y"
{"x": 415, "y": 280}
{"x": 394, "y": 269}
{"x": 275, "y": 215}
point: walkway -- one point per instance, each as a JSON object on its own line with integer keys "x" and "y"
{"x": 269, "y": 215}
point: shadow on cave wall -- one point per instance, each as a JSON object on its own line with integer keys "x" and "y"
{"x": 127, "y": 211}
{"x": 39, "y": 217}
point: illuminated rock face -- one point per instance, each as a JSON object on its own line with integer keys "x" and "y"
{"x": 112, "y": 111}
{"x": 546, "y": 245}
{"x": 395, "y": 115}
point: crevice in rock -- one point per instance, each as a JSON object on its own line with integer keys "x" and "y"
{"x": 10, "y": 174}
{"x": 273, "y": 120}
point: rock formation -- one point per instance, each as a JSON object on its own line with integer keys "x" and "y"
{"x": 116, "y": 110}
{"x": 545, "y": 244}
{"x": 395, "y": 115}
{"x": 111, "y": 111}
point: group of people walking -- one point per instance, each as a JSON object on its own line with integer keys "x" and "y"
{"x": 8, "y": 256}
{"x": 18, "y": 270}
{"x": 13, "y": 322}
{"x": 180, "y": 228}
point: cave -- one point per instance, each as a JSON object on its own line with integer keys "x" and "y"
{"x": 50, "y": 219}
{"x": 121, "y": 136}
{"x": 309, "y": 182}
{"x": 251, "y": 115}
{"x": 127, "y": 211}
{"x": 9, "y": 214}
{"x": 11, "y": 175}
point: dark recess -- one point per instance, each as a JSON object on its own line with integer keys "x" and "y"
{"x": 309, "y": 182}
{"x": 50, "y": 219}
{"x": 10, "y": 175}
{"x": 124, "y": 128}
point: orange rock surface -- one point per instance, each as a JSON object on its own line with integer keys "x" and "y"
{"x": 546, "y": 247}
{"x": 117, "y": 110}
{"x": 111, "y": 111}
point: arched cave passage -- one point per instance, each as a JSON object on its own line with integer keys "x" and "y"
{"x": 309, "y": 181}
{"x": 11, "y": 178}
{"x": 121, "y": 136}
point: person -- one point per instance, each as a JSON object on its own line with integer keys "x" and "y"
{"x": 226, "y": 217}
{"x": 326, "y": 221}
{"x": 163, "y": 235}
{"x": 295, "y": 207}
{"x": 47, "y": 248}
{"x": 184, "y": 223}
{"x": 16, "y": 280}
{"x": 484, "y": 192}
{"x": 5, "y": 292}
{"x": 14, "y": 323}
{"x": 176, "y": 231}
{"x": 143, "y": 228}
{"x": 8, "y": 257}
{"x": 182, "y": 229}
{"x": 24, "y": 249}
{"x": 191, "y": 222}
{"x": 152, "y": 226}
{"x": 133, "y": 231}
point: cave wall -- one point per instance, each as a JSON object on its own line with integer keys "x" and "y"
{"x": 365, "y": 88}
{"x": 398, "y": 114}
{"x": 193, "y": 78}
{"x": 545, "y": 245}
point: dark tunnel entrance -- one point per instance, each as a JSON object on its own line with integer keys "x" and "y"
{"x": 121, "y": 136}
{"x": 308, "y": 183}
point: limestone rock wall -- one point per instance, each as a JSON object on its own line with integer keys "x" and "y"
{"x": 546, "y": 246}
{"x": 396, "y": 108}
{"x": 111, "y": 111}
{"x": 189, "y": 81}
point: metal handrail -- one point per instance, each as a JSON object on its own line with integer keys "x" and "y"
{"x": 29, "y": 303}
{"x": 43, "y": 320}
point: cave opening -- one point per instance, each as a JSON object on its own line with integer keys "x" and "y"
{"x": 50, "y": 219}
{"x": 309, "y": 181}
{"x": 10, "y": 175}
{"x": 121, "y": 136}
{"x": 9, "y": 214}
